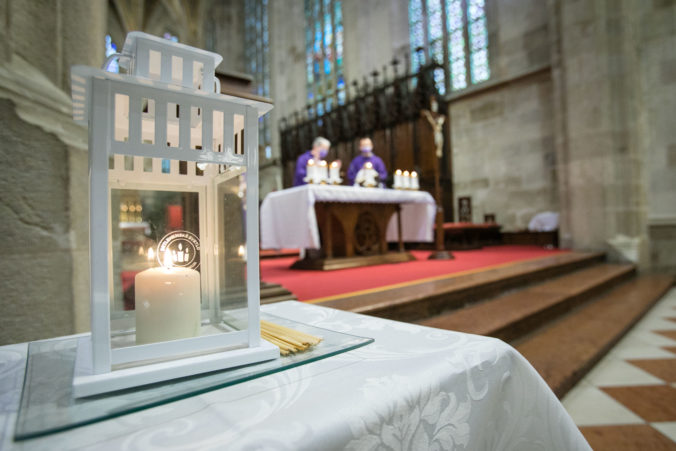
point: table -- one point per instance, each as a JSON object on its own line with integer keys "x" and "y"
{"x": 350, "y": 226}
{"x": 469, "y": 235}
{"x": 413, "y": 388}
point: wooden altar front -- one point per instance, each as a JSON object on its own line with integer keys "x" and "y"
{"x": 353, "y": 234}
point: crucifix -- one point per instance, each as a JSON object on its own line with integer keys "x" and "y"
{"x": 436, "y": 121}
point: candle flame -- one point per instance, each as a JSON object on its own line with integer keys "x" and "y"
{"x": 368, "y": 165}
{"x": 414, "y": 174}
{"x": 168, "y": 261}
{"x": 334, "y": 164}
{"x": 406, "y": 174}
{"x": 322, "y": 163}
{"x": 151, "y": 254}
{"x": 398, "y": 172}
{"x": 241, "y": 250}
{"x": 310, "y": 162}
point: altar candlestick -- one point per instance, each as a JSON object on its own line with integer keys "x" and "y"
{"x": 397, "y": 179}
{"x": 406, "y": 180}
{"x": 167, "y": 303}
{"x": 311, "y": 171}
{"x": 415, "y": 184}
{"x": 334, "y": 173}
{"x": 323, "y": 170}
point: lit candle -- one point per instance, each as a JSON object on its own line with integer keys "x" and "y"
{"x": 405, "y": 180}
{"x": 323, "y": 171}
{"x": 311, "y": 173}
{"x": 369, "y": 175}
{"x": 334, "y": 173}
{"x": 167, "y": 303}
{"x": 415, "y": 184}
{"x": 397, "y": 179}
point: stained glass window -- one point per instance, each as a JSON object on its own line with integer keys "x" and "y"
{"x": 256, "y": 54}
{"x": 324, "y": 53}
{"x": 452, "y": 32}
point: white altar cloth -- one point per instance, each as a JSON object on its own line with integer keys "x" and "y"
{"x": 288, "y": 217}
{"x": 414, "y": 388}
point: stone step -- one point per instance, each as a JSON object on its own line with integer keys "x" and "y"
{"x": 566, "y": 350}
{"x": 418, "y": 300}
{"x": 511, "y": 316}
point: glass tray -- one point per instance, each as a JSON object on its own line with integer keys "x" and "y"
{"x": 47, "y": 403}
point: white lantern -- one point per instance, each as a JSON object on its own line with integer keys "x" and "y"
{"x": 174, "y": 219}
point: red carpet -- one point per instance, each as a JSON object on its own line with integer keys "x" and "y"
{"x": 315, "y": 286}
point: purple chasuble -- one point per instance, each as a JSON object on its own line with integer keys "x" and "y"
{"x": 301, "y": 168}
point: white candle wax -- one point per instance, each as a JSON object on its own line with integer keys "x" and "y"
{"x": 323, "y": 172}
{"x": 415, "y": 184}
{"x": 397, "y": 179}
{"x": 405, "y": 180}
{"x": 334, "y": 173}
{"x": 167, "y": 304}
{"x": 311, "y": 171}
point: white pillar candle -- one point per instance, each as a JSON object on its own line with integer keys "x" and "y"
{"x": 167, "y": 304}
{"x": 415, "y": 184}
{"x": 405, "y": 180}
{"x": 310, "y": 172}
{"x": 334, "y": 173}
{"x": 323, "y": 170}
{"x": 370, "y": 175}
{"x": 397, "y": 179}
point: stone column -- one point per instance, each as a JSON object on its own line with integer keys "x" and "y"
{"x": 599, "y": 157}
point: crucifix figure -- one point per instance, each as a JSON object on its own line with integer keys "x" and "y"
{"x": 436, "y": 121}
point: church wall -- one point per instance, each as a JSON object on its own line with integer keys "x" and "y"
{"x": 376, "y": 31}
{"x": 657, "y": 64}
{"x": 502, "y": 131}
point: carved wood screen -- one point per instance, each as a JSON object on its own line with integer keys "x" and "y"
{"x": 388, "y": 109}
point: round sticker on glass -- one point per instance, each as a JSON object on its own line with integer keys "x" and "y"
{"x": 180, "y": 248}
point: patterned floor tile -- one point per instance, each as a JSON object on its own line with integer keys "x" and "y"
{"x": 671, "y": 334}
{"x": 619, "y": 373}
{"x": 626, "y": 438}
{"x": 664, "y": 369}
{"x": 670, "y": 348}
{"x": 587, "y": 406}
{"x": 652, "y": 403}
{"x": 668, "y": 429}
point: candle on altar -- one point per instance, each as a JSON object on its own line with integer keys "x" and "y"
{"x": 406, "y": 180}
{"x": 323, "y": 170}
{"x": 415, "y": 184}
{"x": 397, "y": 179}
{"x": 167, "y": 303}
{"x": 369, "y": 175}
{"x": 311, "y": 171}
{"x": 334, "y": 173}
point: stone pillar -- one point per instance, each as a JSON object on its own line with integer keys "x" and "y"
{"x": 599, "y": 158}
{"x": 43, "y": 176}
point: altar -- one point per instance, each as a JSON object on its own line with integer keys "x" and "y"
{"x": 343, "y": 226}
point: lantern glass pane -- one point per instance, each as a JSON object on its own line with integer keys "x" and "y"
{"x": 178, "y": 250}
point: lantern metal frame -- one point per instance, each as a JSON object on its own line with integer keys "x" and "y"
{"x": 151, "y": 62}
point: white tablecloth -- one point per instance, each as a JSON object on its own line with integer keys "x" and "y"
{"x": 414, "y": 388}
{"x": 288, "y": 217}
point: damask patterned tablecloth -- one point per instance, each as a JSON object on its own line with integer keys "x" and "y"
{"x": 414, "y": 388}
{"x": 288, "y": 218}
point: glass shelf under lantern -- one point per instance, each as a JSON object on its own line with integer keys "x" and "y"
{"x": 174, "y": 219}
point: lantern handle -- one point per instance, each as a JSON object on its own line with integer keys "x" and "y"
{"x": 113, "y": 56}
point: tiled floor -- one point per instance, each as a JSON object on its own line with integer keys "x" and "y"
{"x": 628, "y": 400}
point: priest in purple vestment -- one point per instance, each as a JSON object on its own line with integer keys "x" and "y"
{"x": 366, "y": 155}
{"x": 319, "y": 151}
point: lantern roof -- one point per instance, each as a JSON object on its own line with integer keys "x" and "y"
{"x": 133, "y": 37}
